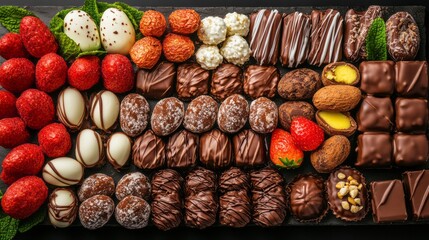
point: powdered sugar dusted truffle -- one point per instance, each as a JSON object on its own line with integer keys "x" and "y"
{"x": 135, "y": 183}
{"x": 236, "y": 50}
{"x": 233, "y": 113}
{"x": 208, "y": 57}
{"x": 212, "y": 30}
{"x": 263, "y": 115}
{"x": 96, "y": 211}
{"x": 200, "y": 116}
{"x": 134, "y": 114}
{"x": 132, "y": 212}
{"x": 96, "y": 184}
{"x": 167, "y": 116}
{"x": 237, "y": 24}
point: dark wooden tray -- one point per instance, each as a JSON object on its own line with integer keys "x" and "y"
{"x": 418, "y": 12}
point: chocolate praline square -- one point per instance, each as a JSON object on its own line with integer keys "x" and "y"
{"x": 374, "y": 150}
{"x": 388, "y": 201}
{"x": 375, "y": 115}
{"x": 417, "y": 188}
{"x": 410, "y": 150}
{"x": 377, "y": 77}
{"x": 227, "y": 79}
{"x": 249, "y": 149}
{"x": 264, "y": 36}
{"x": 411, "y": 115}
{"x": 156, "y": 83}
{"x": 412, "y": 79}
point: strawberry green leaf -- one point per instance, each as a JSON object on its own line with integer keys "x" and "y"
{"x": 8, "y": 226}
{"x": 290, "y": 163}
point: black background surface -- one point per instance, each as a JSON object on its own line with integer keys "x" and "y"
{"x": 395, "y": 231}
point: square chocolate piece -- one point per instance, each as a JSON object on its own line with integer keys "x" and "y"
{"x": 374, "y": 150}
{"x": 264, "y": 36}
{"x": 388, "y": 201}
{"x": 411, "y": 115}
{"x": 261, "y": 81}
{"x": 412, "y": 79}
{"x": 377, "y": 77}
{"x": 375, "y": 115}
{"x": 249, "y": 149}
{"x": 410, "y": 150}
{"x": 417, "y": 187}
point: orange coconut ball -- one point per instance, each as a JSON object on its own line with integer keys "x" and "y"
{"x": 153, "y": 24}
{"x": 184, "y": 21}
{"x": 177, "y": 48}
{"x": 146, "y": 52}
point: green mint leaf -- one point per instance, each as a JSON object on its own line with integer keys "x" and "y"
{"x": 11, "y": 16}
{"x": 376, "y": 41}
{"x": 90, "y": 7}
{"x": 68, "y": 48}
{"x": 33, "y": 220}
{"x": 98, "y": 53}
{"x": 8, "y": 226}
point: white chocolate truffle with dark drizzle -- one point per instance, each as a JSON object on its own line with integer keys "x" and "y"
{"x": 63, "y": 172}
{"x": 104, "y": 110}
{"x": 89, "y": 148}
{"x": 118, "y": 149}
{"x": 71, "y": 108}
{"x": 62, "y": 207}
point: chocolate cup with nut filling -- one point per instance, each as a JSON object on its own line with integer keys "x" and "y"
{"x": 340, "y": 73}
{"x": 339, "y": 200}
{"x": 331, "y": 130}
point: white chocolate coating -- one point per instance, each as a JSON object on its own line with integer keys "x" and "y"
{"x": 117, "y": 32}
{"x": 118, "y": 149}
{"x": 71, "y": 109}
{"x": 237, "y": 24}
{"x": 81, "y": 28}
{"x": 89, "y": 148}
{"x": 236, "y": 50}
{"x": 104, "y": 110}
{"x": 209, "y": 57}
{"x": 62, "y": 207}
{"x": 63, "y": 172}
{"x": 212, "y": 30}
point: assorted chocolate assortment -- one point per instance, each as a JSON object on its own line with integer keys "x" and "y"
{"x": 207, "y": 139}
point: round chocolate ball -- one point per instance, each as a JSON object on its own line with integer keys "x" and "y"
{"x": 96, "y": 184}
{"x": 307, "y": 199}
{"x": 233, "y": 114}
{"x": 299, "y": 84}
{"x": 96, "y": 211}
{"x": 167, "y": 116}
{"x": 134, "y": 114}
{"x": 200, "y": 116}
{"x": 135, "y": 184}
{"x": 132, "y": 212}
{"x": 263, "y": 115}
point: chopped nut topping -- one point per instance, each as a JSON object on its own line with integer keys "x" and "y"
{"x": 357, "y": 201}
{"x": 340, "y": 185}
{"x": 345, "y": 205}
{"x": 341, "y": 176}
{"x": 351, "y": 200}
{"x": 349, "y": 189}
{"x": 353, "y": 193}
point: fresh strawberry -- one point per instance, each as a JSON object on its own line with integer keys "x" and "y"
{"x": 117, "y": 72}
{"x": 17, "y": 75}
{"x": 36, "y": 37}
{"x": 11, "y": 46}
{"x": 306, "y": 134}
{"x": 51, "y": 72}
{"x": 283, "y": 151}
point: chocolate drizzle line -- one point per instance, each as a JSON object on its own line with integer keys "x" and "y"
{"x": 377, "y": 112}
{"x": 60, "y": 178}
{"x": 100, "y": 150}
{"x": 386, "y": 194}
{"x": 55, "y": 210}
{"x": 62, "y": 112}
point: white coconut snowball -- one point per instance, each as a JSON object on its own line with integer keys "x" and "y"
{"x": 236, "y": 50}
{"x": 212, "y": 30}
{"x": 209, "y": 57}
{"x": 237, "y": 24}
